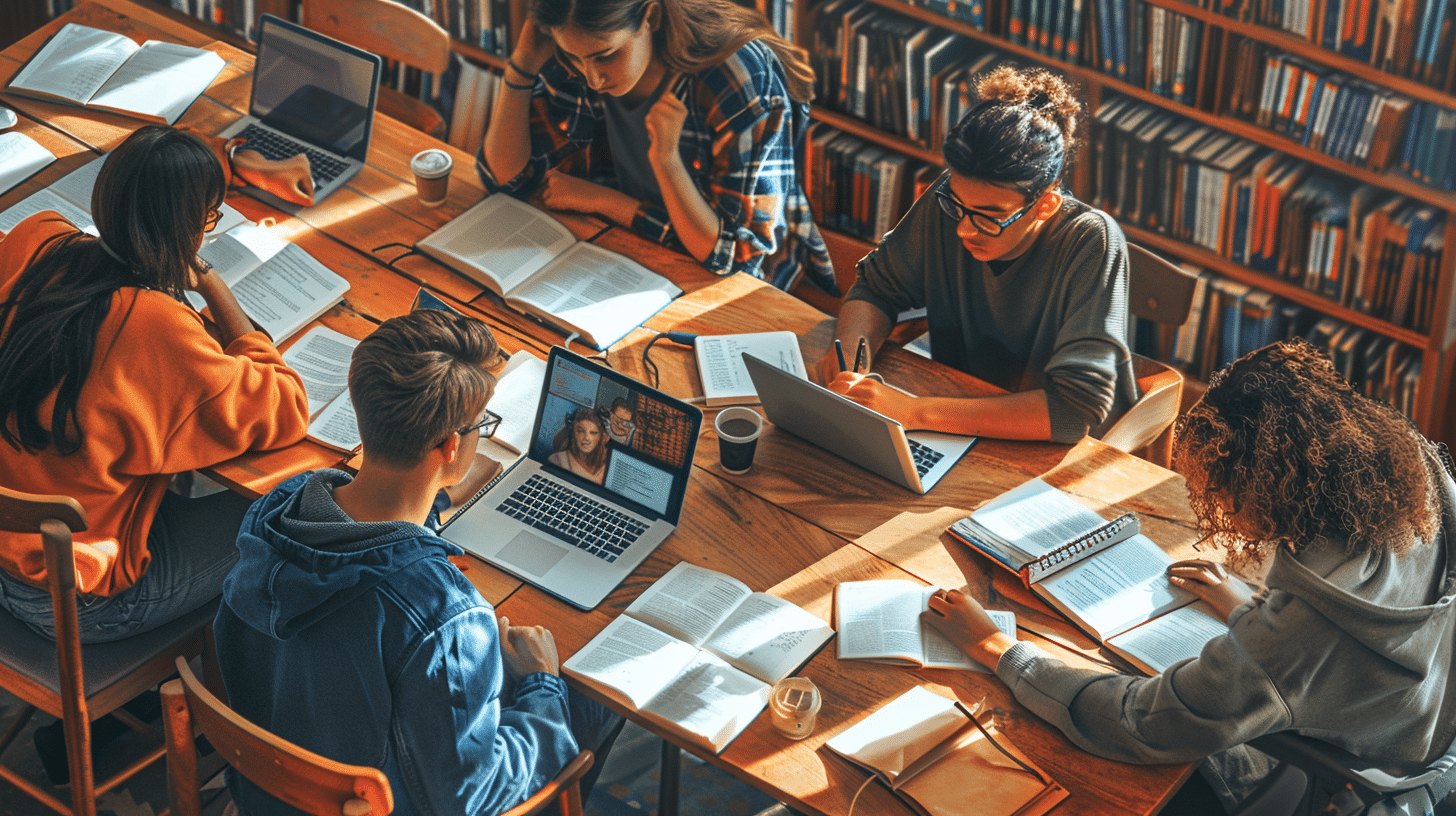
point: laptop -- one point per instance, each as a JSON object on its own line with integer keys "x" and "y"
{"x": 914, "y": 460}
{"x": 313, "y": 95}
{"x": 591, "y": 498}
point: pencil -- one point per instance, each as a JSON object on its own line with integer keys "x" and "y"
{"x": 860, "y": 353}
{"x": 839, "y": 350}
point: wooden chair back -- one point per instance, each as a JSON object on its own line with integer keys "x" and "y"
{"x": 1147, "y": 423}
{"x": 297, "y": 776}
{"x": 564, "y": 791}
{"x": 1158, "y": 290}
{"x": 394, "y": 32}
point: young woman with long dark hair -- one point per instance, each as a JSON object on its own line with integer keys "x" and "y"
{"x": 110, "y": 383}
{"x": 1024, "y": 286}
{"x": 683, "y": 119}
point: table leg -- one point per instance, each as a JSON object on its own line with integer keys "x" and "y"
{"x": 671, "y": 778}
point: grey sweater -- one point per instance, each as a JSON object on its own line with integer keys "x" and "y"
{"x": 1056, "y": 319}
{"x": 1353, "y": 651}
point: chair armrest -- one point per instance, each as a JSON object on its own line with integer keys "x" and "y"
{"x": 1315, "y": 755}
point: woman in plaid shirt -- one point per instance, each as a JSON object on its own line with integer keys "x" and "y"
{"x": 683, "y": 119}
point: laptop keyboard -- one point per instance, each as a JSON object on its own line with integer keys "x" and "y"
{"x": 575, "y": 518}
{"x": 925, "y": 456}
{"x": 322, "y": 166}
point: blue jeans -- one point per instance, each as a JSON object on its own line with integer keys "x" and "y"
{"x": 594, "y": 726}
{"x": 193, "y": 543}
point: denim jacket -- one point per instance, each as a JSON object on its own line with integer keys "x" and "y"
{"x": 366, "y": 645}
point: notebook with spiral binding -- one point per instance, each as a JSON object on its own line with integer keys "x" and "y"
{"x": 1105, "y": 576}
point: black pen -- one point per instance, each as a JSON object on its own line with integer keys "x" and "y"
{"x": 860, "y": 354}
{"x": 839, "y": 350}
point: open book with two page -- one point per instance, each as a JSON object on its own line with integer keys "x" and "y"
{"x": 81, "y": 65}
{"x": 534, "y": 263}
{"x": 927, "y": 750}
{"x": 1104, "y": 576}
{"x": 699, "y": 652}
{"x": 880, "y": 621}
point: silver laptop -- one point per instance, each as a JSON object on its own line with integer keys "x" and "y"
{"x": 313, "y": 95}
{"x": 600, "y": 487}
{"x": 914, "y": 460}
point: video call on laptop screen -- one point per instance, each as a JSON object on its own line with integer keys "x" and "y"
{"x": 615, "y": 433}
{"x": 313, "y": 89}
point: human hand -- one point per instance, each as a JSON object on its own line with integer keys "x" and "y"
{"x": 527, "y": 649}
{"x": 1211, "y": 582}
{"x": 664, "y": 125}
{"x": 533, "y": 47}
{"x": 875, "y": 395}
{"x": 964, "y": 622}
{"x": 289, "y": 178}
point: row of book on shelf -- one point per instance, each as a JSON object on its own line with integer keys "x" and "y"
{"x": 1357, "y": 245}
{"x": 1228, "y": 319}
{"x": 858, "y": 187}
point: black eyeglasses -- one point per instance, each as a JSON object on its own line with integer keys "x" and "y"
{"x": 985, "y": 223}
{"x": 486, "y": 426}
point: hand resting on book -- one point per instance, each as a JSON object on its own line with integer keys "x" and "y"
{"x": 1211, "y": 582}
{"x": 964, "y": 622}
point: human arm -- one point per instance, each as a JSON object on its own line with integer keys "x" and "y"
{"x": 555, "y": 124}
{"x": 232, "y": 322}
{"x": 1018, "y": 415}
{"x": 857, "y": 318}
{"x": 1211, "y": 582}
{"x": 507, "y": 145}
{"x": 462, "y": 749}
{"x": 693, "y": 218}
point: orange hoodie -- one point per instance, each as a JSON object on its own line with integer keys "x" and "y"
{"x": 162, "y": 397}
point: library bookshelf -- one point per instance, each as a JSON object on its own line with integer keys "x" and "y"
{"x": 1432, "y": 406}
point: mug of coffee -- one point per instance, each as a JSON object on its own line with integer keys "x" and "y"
{"x": 738, "y": 429}
{"x": 432, "y": 176}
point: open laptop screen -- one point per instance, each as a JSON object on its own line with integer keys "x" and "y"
{"x": 314, "y": 88}
{"x": 603, "y": 428}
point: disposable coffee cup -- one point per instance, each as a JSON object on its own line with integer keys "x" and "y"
{"x": 432, "y": 176}
{"x": 794, "y": 706}
{"x": 738, "y": 429}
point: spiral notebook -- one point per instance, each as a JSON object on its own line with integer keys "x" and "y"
{"x": 1105, "y": 576}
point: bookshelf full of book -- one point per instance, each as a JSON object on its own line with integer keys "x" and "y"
{"x": 1298, "y": 155}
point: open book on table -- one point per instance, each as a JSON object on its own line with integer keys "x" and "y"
{"x": 880, "y": 621}
{"x": 725, "y": 377}
{"x": 156, "y": 81}
{"x": 699, "y": 653}
{"x": 321, "y": 357}
{"x": 279, "y": 285}
{"x": 1105, "y": 576}
{"x": 20, "y": 158}
{"x": 929, "y": 751}
{"x": 539, "y": 268}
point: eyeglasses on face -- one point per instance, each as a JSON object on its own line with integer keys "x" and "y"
{"x": 486, "y": 426}
{"x": 213, "y": 219}
{"x": 985, "y": 223}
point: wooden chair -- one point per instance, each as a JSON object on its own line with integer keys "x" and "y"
{"x": 1160, "y": 292}
{"x": 297, "y": 776}
{"x": 79, "y": 684}
{"x": 396, "y": 33}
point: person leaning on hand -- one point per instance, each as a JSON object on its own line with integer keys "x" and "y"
{"x": 1349, "y": 643}
{"x": 110, "y": 383}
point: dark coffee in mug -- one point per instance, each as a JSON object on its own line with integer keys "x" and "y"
{"x": 738, "y": 427}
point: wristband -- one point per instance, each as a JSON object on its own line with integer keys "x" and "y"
{"x": 518, "y": 69}
{"x": 518, "y": 86}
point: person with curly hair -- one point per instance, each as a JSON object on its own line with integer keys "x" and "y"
{"x": 684, "y": 120}
{"x": 1350, "y": 641}
{"x": 581, "y": 445}
{"x": 1023, "y": 286}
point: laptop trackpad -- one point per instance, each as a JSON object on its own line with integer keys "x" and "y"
{"x": 531, "y": 553}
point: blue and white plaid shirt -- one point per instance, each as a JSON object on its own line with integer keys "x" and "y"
{"x": 742, "y": 143}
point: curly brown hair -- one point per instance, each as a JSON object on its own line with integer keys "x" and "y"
{"x": 1282, "y": 451}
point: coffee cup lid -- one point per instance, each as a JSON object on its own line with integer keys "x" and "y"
{"x": 431, "y": 163}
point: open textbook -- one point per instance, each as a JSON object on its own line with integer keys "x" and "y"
{"x": 927, "y": 750}
{"x": 156, "y": 81}
{"x": 699, "y": 653}
{"x": 538, "y": 268}
{"x": 321, "y": 357}
{"x": 279, "y": 285}
{"x": 1104, "y": 580}
{"x": 880, "y": 621}
{"x": 725, "y": 377}
{"x": 20, "y": 158}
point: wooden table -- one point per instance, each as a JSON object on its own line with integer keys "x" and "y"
{"x": 822, "y": 520}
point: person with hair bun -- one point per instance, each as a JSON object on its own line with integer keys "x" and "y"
{"x": 1349, "y": 642}
{"x": 684, "y": 120}
{"x": 1024, "y": 286}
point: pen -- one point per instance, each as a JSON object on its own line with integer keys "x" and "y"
{"x": 839, "y": 350}
{"x": 860, "y": 354}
